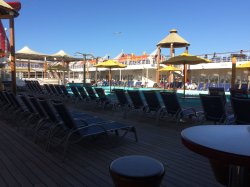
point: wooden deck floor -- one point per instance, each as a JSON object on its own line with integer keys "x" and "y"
{"x": 24, "y": 163}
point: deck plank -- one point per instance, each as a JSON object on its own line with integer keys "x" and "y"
{"x": 25, "y": 163}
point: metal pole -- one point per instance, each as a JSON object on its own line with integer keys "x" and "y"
{"x": 84, "y": 56}
{"x": 84, "y": 69}
{"x": 96, "y": 70}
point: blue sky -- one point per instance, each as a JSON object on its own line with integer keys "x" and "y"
{"x": 105, "y": 27}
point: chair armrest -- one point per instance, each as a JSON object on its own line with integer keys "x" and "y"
{"x": 188, "y": 111}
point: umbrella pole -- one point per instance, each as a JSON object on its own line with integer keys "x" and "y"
{"x": 184, "y": 77}
{"x": 233, "y": 72}
{"x": 110, "y": 80}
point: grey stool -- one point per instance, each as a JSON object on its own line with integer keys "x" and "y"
{"x": 136, "y": 171}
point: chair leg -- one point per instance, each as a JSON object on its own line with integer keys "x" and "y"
{"x": 135, "y": 133}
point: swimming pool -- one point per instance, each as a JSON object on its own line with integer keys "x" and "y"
{"x": 191, "y": 96}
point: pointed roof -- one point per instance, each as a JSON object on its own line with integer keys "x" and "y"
{"x": 65, "y": 56}
{"x": 173, "y": 38}
{"x": 27, "y": 50}
{"x": 105, "y": 57}
{"x": 119, "y": 55}
{"x": 61, "y": 53}
{"x": 27, "y": 53}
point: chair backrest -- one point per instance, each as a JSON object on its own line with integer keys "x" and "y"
{"x": 47, "y": 88}
{"x": 200, "y": 86}
{"x": 244, "y": 86}
{"x": 213, "y": 107}
{"x": 14, "y": 100}
{"x": 27, "y": 104}
{"x": 91, "y": 92}
{"x": 53, "y": 89}
{"x": 3, "y": 98}
{"x": 121, "y": 96}
{"x": 238, "y": 93}
{"x": 218, "y": 91}
{"x": 152, "y": 100}
{"x": 227, "y": 87}
{"x": 241, "y": 109}
{"x": 8, "y": 98}
{"x": 75, "y": 91}
{"x": 64, "y": 90}
{"x": 58, "y": 89}
{"x": 207, "y": 85}
{"x": 82, "y": 92}
{"x": 48, "y": 109}
{"x": 64, "y": 115}
{"x": 101, "y": 93}
{"x": 130, "y": 83}
{"x": 136, "y": 98}
{"x": 37, "y": 107}
{"x": 171, "y": 102}
{"x": 221, "y": 85}
{"x": 138, "y": 84}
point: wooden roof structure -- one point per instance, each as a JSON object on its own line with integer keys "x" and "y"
{"x": 173, "y": 38}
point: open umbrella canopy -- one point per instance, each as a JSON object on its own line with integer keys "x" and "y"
{"x": 169, "y": 68}
{"x": 245, "y": 65}
{"x": 186, "y": 58}
{"x": 27, "y": 53}
{"x": 110, "y": 64}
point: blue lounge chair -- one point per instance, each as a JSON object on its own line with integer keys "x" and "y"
{"x": 227, "y": 87}
{"x": 122, "y": 101}
{"x": 74, "y": 131}
{"x": 91, "y": 93}
{"x": 200, "y": 86}
{"x": 137, "y": 101}
{"x": 241, "y": 110}
{"x": 153, "y": 104}
{"x": 214, "y": 109}
{"x": 219, "y": 91}
{"x": 244, "y": 86}
{"x": 207, "y": 86}
{"x": 174, "y": 109}
{"x": 103, "y": 99}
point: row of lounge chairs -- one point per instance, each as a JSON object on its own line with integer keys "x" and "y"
{"x": 85, "y": 94}
{"x": 53, "y": 121}
{"x": 226, "y": 86}
{"x": 204, "y": 86}
{"x": 215, "y": 107}
{"x": 150, "y": 104}
{"x": 122, "y": 83}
